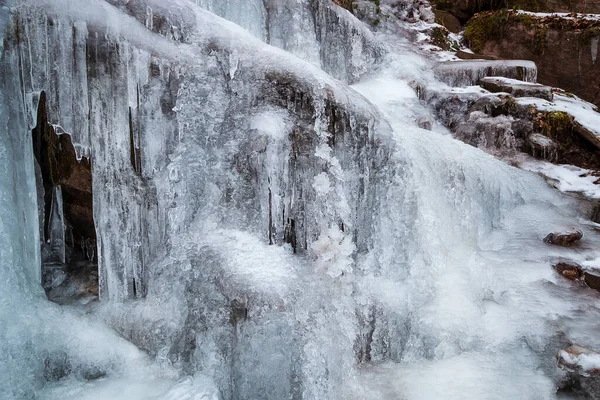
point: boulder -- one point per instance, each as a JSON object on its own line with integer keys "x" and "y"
{"x": 448, "y": 21}
{"x": 564, "y": 238}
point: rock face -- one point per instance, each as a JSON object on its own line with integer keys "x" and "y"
{"x": 564, "y": 238}
{"x": 465, "y": 9}
{"x": 565, "y": 50}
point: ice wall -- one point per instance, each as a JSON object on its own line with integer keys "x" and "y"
{"x": 316, "y": 31}
{"x": 261, "y": 224}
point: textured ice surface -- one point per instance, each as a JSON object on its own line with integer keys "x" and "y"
{"x": 273, "y": 233}
{"x": 466, "y": 73}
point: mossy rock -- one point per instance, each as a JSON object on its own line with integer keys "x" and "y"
{"x": 484, "y": 27}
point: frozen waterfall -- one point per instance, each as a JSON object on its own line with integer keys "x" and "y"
{"x": 267, "y": 218}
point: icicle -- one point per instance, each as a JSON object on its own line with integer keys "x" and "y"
{"x": 594, "y": 45}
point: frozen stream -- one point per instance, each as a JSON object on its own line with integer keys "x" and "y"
{"x": 290, "y": 231}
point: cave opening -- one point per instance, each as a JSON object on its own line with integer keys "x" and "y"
{"x": 65, "y": 206}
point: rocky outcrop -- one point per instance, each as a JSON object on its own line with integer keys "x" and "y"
{"x": 465, "y": 9}
{"x": 564, "y": 49}
{"x": 501, "y": 122}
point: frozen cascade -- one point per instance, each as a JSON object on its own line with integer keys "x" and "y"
{"x": 264, "y": 229}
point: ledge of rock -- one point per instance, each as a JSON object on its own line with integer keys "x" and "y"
{"x": 516, "y": 88}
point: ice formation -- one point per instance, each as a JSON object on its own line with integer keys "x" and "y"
{"x": 272, "y": 219}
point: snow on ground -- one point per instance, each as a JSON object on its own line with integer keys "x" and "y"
{"x": 566, "y": 178}
{"x": 571, "y": 16}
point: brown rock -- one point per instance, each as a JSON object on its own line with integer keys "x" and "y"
{"x": 569, "y": 271}
{"x": 564, "y": 238}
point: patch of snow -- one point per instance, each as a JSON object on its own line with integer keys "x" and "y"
{"x": 566, "y": 178}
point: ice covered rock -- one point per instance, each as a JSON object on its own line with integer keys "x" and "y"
{"x": 582, "y": 366}
{"x": 468, "y": 73}
{"x": 541, "y": 146}
{"x": 517, "y": 88}
{"x": 567, "y": 238}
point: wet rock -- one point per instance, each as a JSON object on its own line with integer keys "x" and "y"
{"x": 569, "y": 271}
{"x": 592, "y": 279}
{"x": 516, "y": 88}
{"x": 564, "y": 238}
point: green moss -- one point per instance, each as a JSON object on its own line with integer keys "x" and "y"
{"x": 484, "y": 27}
{"x": 539, "y": 40}
{"x": 555, "y": 124}
{"x": 588, "y": 34}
